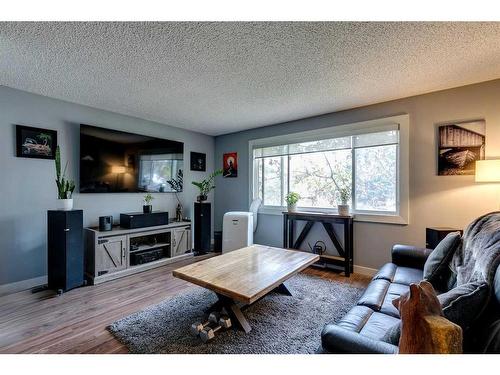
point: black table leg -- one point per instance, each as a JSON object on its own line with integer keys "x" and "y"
{"x": 347, "y": 249}
{"x": 234, "y": 311}
{"x": 283, "y": 289}
{"x": 285, "y": 231}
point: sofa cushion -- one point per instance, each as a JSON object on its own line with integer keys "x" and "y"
{"x": 394, "y": 291}
{"x": 407, "y": 276}
{"x": 386, "y": 272}
{"x": 356, "y": 318}
{"x": 463, "y": 304}
{"x": 377, "y": 325}
{"x": 437, "y": 267}
{"x": 374, "y": 294}
{"x": 396, "y": 274}
{"x": 393, "y": 335}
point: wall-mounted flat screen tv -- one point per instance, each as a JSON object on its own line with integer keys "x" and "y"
{"x": 113, "y": 161}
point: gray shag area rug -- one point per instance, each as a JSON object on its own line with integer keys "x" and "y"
{"x": 280, "y": 324}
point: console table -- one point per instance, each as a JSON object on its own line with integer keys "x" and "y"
{"x": 121, "y": 252}
{"x": 327, "y": 220}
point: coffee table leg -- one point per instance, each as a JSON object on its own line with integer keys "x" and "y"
{"x": 283, "y": 289}
{"x": 234, "y": 312}
{"x": 217, "y": 306}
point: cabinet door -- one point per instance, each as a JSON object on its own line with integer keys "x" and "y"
{"x": 111, "y": 255}
{"x": 181, "y": 241}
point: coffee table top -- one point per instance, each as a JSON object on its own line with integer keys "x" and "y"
{"x": 246, "y": 274}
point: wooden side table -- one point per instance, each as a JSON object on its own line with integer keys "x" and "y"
{"x": 327, "y": 220}
{"x": 433, "y": 236}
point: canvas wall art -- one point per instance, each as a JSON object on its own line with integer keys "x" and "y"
{"x": 460, "y": 145}
{"x": 198, "y": 161}
{"x": 230, "y": 164}
{"x": 35, "y": 142}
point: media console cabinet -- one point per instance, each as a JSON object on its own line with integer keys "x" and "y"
{"x": 121, "y": 252}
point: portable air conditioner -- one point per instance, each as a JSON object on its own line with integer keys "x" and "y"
{"x": 237, "y": 230}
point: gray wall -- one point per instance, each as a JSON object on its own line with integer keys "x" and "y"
{"x": 27, "y": 188}
{"x": 434, "y": 200}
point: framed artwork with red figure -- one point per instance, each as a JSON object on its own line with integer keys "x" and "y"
{"x": 230, "y": 164}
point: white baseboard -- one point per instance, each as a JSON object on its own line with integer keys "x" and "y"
{"x": 22, "y": 285}
{"x": 364, "y": 270}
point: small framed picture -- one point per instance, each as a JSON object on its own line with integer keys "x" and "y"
{"x": 198, "y": 161}
{"x": 35, "y": 143}
{"x": 230, "y": 164}
{"x": 460, "y": 145}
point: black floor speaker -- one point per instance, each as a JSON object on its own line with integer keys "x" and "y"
{"x": 65, "y": 250}
{"x": 202, "y": 227}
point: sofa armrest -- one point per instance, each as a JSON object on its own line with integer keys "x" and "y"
{"x": 409, "y": 256}
{"x": 336, "y": 339}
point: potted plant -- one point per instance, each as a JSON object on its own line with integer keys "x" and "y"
{"x": 147, "y": 208}
{"x": 206, "y": 186}
{"x": 291, "y": 200}
{"x": 65, "y": 187}
{"x": 345, "y": 195}
{"x": 176, "y": 184}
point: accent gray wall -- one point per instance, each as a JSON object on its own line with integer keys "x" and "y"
{"x": 434, "y": 200}
{"x": 28, "y": 190}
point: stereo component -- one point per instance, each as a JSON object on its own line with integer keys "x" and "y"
{"x": 141, "y": 220}
{"x": 202, "y": 227}
{"x": 146, "y": 256}
{"x": 105, "y": 223}
{"x": 65, "y": 250}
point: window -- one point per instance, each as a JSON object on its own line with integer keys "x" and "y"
{"x": 364, "y": 159}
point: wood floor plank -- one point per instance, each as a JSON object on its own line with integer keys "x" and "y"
{"x": 76, "y": 321}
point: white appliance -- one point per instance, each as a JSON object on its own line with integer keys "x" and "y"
{"x": 237, "y": 230}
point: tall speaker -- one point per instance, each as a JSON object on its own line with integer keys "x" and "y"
{"x": 65, "y": 250}
{"x": 202, "y": 227}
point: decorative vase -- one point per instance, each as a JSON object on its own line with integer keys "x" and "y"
{"x": 147, "y": 208}
{"x": 201, "y": 198}
{"x": 66, "y": 204}
{"x": 343, "y": 209}
{"x": 292, "y": 207}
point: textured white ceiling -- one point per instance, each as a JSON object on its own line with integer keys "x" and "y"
{"x": 224, "y": 77}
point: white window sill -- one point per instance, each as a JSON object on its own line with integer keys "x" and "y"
{"x": 359, "y": 217}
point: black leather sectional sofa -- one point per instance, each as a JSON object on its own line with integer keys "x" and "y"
{"x": 372, "y": 325}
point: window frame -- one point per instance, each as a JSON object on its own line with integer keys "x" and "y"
{"x": 401, "y": 216}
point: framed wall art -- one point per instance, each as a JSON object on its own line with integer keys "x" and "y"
{"x": 198, "y": 161}
{"x": 460, "y": 145}
{"x": 230, "y": 164}
{"x": 35, "y": 143}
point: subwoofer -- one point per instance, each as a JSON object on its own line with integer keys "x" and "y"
{"x": 202, "y": 227}
{"x": 65, "y": 250}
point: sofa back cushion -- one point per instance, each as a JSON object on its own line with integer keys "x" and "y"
{"x": 437, "y": 266}
{"x": 464, "y": 304}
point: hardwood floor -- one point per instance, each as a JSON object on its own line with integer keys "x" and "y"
{"x": 76, "y": 321}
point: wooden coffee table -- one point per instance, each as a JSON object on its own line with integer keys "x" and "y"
{"x": 243, "y": 276}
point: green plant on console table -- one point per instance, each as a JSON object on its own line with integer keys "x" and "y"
{"x": 148, "y": 198}
{"x": 292, "y": 198}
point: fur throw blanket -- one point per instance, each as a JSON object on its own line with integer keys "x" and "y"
{"x": 479, "y": 256}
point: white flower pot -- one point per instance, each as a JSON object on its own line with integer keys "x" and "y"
{"x": 343, "y": 209}
{"x": 66, "y": 204}
{"x": 292, "y": 207}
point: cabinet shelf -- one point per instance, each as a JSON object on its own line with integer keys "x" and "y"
{"x": 150, "y": 247}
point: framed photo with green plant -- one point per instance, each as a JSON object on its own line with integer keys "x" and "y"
{"x": 35, "y": 143}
